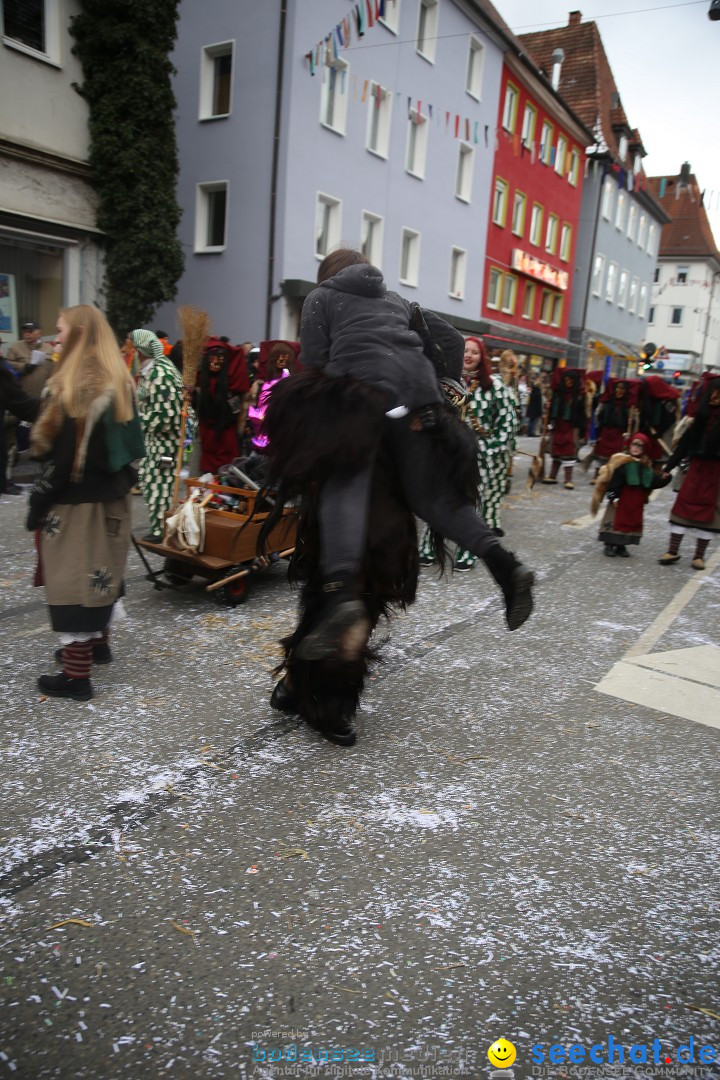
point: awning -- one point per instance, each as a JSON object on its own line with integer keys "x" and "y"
{"x": 607, "y": 346}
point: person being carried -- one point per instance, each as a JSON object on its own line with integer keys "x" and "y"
{"x": 627, "y": 480}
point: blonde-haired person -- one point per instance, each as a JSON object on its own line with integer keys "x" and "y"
{"x": 87, "y": 437}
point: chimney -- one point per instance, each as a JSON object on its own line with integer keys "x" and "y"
{"x": 557, "y": 58}
{"x": 685, "y": 173}
{"x": 575, "y": 18}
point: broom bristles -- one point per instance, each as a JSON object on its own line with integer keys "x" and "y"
{"x": 195, "y": 327}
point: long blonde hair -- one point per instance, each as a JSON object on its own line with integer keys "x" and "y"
{"x": 90, "y": 363}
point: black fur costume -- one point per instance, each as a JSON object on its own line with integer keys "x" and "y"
{"x": 317, "y": 426}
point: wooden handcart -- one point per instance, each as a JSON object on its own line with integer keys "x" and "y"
{"x": 230, "y": 553}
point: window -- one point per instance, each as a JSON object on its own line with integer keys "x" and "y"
{"x": 676, "y": 316}
{"x": 598, "y": 267}
{"x": 623, "y": 147}
{"x": 643, "y": 300}
{"x": 391, "y": 18}
{"x": 509, "y": 291}
{"x": 622, "y": 288}
{"x": 529, "y": 301}
{"x": 334, "y": 96}
{"x": 475, "y": 66}
{"x": 211, "y": 217}
{"x": 327, "y": 224}
{"x": 458, "y": 262}
{"x": 546, "y": 139}
{"x": 510, "y": 107}
{"x": 551, "y": 234}
{"x": 536, "y": 219}
{"x": 560, "y": 155}
{"x": 632, "y": 221}
{"x": 681, "y": 277}
{"x": 551, "y": 308}
{"x": 651, "y": 316}
{"x": 656, "y": 275}
{"x": 416, "y": 152}
{"x": 427, "y": 29}
{"x": 620, "y": 211}
{"x": 574, "y": 170}
{"x": 610, "y": 282}
{"x": 565, "y": 242}
{"x": 499, "y": 206}
{"x": 216, "y": 67}
{"x": 518, "y": 214}
{"x": 32, "y": 26}
{"x": 652, "y": 239}
{"x": 632, "y": 303}
{"x": 607, "y": 197}
{"x": 410, "y": 257}
{"x": 528, "y": 127}
{"x": 642, "y": 230}
{"x": 378, "y": 128}
{"x": 371, "y": 237}
{"x": 494, "y": 288}
{"x": 463, "y": 180}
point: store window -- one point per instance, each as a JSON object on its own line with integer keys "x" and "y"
{"x": 32, "y": 287}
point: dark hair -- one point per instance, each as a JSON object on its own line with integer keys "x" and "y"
{"x": 336, "y": 261}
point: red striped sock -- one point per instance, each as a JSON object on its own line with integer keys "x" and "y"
{"x": 701, "y": 547}
{"x": 674, "y": 545}
{"x": 77, "y": 659}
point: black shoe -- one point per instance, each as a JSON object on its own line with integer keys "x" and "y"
{"x": 12, "y": 489}
{"x": 344, "y": 625}
{"x": 282, "y": 699}
{"x": 426, "y": 561}
{"x": 462, "y": 567}
{"x": 610, "y": 551}
{"x": 61, "y": 686}
{"x": 516, "y": 582}
{"x": 342, "y": 734}
{"x": 498, "y": 531}
{"x": 152, "y": 538}
{"x": 101, "y": 654}
{"x": 622, "y": 551}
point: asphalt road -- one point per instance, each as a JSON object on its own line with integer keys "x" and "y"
{"x": 193, "y": 887}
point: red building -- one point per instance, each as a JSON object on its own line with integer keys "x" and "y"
{"x": 533, "y": 217}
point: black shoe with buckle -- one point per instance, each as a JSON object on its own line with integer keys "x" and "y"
{"x": 62, "y": 686}
{"x": 282, "y": 698}
{"x": 343, "y": 627}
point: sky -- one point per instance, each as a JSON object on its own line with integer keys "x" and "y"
{"x": 665, "y": 57}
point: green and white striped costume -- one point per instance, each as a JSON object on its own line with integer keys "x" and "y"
{"x": 493, "y": 410}
{"x": 160, "y": 407}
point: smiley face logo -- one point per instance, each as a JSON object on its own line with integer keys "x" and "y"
{"x": 502, "y": 1054}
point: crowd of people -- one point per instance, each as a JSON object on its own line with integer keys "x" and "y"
{"x": 380, "y": 424}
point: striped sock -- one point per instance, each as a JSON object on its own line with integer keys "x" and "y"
{"x": 77, "y": 660}
{"x": 701, "y": 547}
{"x": 674, "y": 545}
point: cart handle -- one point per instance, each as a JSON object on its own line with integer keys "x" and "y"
{"x": 242, "y": 573}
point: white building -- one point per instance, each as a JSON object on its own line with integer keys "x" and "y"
{"x": 685, "y": 307}
{"x": 50, "y": 255}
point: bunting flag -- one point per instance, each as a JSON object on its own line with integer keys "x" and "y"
{"x": 467, "y": 130}
{"x": 363, "y": 96}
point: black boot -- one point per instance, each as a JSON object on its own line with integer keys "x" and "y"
{"x": 63, "y": 686}
{"x": 343, "y": 627}
{"x": 283, "y": 699}
{"x": 515, "y": 580}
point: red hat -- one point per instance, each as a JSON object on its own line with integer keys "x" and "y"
{"x": 640, "y": 437}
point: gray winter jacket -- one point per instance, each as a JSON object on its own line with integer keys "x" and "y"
{"x": 352, "y": 325}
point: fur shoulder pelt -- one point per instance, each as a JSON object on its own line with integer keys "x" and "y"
{"x": 604, "y": 477}
{"x": 49, "y": 424}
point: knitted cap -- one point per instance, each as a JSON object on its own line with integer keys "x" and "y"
{"x": 147, "y": 343}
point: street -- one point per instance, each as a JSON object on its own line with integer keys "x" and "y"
{"x": 523, "y": 844}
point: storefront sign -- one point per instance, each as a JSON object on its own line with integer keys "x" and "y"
{"x": 535, "y": 268}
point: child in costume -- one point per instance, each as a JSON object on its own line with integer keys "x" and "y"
{"x": 627, "y": 479}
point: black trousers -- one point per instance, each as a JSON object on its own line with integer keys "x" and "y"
{"x": 427, "y": 490}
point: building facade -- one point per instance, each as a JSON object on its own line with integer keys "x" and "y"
{"x": 50, "y": 248}
{"x": 620, "y": 222}
{"x": 685, "y": 307}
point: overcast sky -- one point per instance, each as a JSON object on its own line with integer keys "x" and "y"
{"x": 666, "y": 61}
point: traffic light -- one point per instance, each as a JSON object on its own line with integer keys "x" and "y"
{"x": 647, "y": 353}
{"x": 676, "y": 376}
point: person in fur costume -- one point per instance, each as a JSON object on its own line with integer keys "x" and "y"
{"x": 627, "y": 480}
{"x": 567, "y": 422}
{"x": 87, "y": 438}
{"x": 365, "y": 426}
{"x": 696, "y": 509}
{"x": 220, "y": 402}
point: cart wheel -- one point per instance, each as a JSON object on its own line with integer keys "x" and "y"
{"x": 234, "y": 593}
{"x": 176, "y": 572}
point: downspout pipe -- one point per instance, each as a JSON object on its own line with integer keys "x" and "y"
{"x": 590, "y": 268}
{"x": 275, "y": 166}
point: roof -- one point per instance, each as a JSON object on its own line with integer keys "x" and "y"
{"x": 587, "y": 84}
{"x": 689, "y": 233}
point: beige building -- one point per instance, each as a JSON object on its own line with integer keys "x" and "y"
{"x": 50, "y": 248}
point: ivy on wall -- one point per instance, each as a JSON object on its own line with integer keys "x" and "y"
{"x": 123, "y": 47}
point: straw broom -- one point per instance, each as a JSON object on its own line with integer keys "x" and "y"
{"x": 195, "y": 330}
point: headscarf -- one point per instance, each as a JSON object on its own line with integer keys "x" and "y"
{"x": 147, "y": 343}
